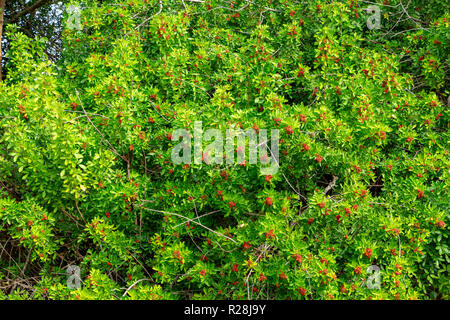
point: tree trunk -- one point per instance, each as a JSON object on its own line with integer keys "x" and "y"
{"x": 2, "y": 11}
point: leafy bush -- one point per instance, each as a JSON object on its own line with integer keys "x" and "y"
{"x": 85, "y": 153}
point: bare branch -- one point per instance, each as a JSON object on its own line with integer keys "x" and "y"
{"x": 191, "y": 220}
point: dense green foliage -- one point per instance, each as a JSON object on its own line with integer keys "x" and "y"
{"x": 85, "y": 153}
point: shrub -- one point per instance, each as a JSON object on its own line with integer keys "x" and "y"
{"x": 87, "y": 176}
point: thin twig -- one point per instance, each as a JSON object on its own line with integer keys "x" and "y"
{"x": 331, "y": 185}
{"x": 90, "y": 121}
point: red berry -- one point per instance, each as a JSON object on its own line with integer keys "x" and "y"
{"x": 270, "y": 234}
{"x": 420, "y": 194}
{"x": 302, "y": 291}
{"x": 268, "y": 201}
{"x": 302, "y": 118}
{"x": 305, "y": 147}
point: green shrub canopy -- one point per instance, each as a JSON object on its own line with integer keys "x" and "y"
{"x": 358, "y": 208}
